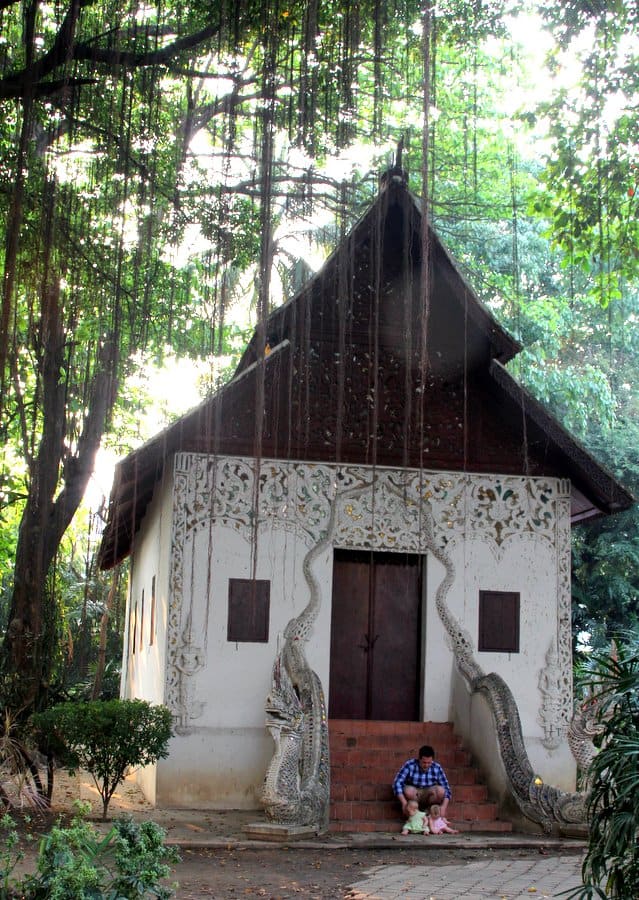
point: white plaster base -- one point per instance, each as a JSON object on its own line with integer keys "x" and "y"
{"x": 215, "y": 768}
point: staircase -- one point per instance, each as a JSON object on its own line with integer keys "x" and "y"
{"x": 366, "y": 755}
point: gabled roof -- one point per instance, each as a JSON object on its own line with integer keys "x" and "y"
{"x": 394, "y": 202}
{"x": 340, "y": 373}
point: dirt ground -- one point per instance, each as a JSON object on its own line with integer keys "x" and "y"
{"x": 274, "y": 872}
{"x": 282, "y": 872}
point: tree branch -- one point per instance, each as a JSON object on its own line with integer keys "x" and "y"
{"x": 61, "y": 52}
{"x": 64, "y": 50}
{"x": 132, "y": 59}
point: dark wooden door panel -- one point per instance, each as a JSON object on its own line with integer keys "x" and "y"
{"x": 349, "y": 627}
{"x": 394, "y": 676}
{"x": 375, "y": 636}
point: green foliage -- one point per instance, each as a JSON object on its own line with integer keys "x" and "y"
{"x": 79, "y": 596}
{"x": 10, "y": 510}
{"x": 10, "y": 853}
{"x": 611, "y": 864}
{"x": 605, "y": 578}
{"x": 107, "y": 737}
{"x": 69, "y": 863}
{"x": 591, "y": 179}
{"x": 130, "y": 862}
{"x": 139, "y": 855}
{"x": 605, "y": 582}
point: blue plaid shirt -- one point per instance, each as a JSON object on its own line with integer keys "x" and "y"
{"x": 412, "y": 773}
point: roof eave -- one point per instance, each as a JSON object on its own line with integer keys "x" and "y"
{"x": 593, "y": 480}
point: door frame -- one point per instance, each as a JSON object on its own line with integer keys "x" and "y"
{"x": 422, "y": 610}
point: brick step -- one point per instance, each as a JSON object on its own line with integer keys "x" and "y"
{"x": 471, "y": 793}
{"x": 496, "y": 826}
{"x": 365, "y": 756}
{"x": 344, "y": 773}
{"x": 381, "y": 810}
{"x": 422, "y": 732}
{"x": 393, "y": 758}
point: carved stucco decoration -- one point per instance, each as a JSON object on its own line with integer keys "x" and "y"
{"x": 402, "y": 510}
{"x": 564, "y": 710}
{"x": 552, "y": 687}
{"x": 189, "y": 659}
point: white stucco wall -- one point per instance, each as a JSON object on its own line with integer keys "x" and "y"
{"x": 143, "y": 670}
{"x": 217, "y": 689}
{"x": 529, "y": 567}
{"x": 221, "y": 764}
{"x": 235, "y": 678}
{"x": 523, "y": 565}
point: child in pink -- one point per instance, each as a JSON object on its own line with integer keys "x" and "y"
{"x": 437, "y": 824}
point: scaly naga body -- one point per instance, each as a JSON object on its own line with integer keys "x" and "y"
{"x": 296, "y": 788}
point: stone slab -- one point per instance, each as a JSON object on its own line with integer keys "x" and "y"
{"x": 274, "y": 831}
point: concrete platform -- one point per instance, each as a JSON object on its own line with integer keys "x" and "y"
{"x": 227, "y": 829}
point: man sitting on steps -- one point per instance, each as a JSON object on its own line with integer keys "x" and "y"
{"x": 423, "y": 779}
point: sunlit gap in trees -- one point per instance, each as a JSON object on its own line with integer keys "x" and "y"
{"x": 158, "y": 395}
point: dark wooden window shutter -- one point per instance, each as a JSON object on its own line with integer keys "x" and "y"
{"x": 152, "y": 626}
{"x": 249, "y": 608}
{"x": 499, "y": 621}
{"x": 142, "y": 621}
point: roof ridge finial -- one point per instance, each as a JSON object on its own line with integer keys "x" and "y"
{"x": 396, "y": 173}
{"x": 398, "y": 155}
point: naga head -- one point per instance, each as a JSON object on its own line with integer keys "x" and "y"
{"x": 284, "y": 712}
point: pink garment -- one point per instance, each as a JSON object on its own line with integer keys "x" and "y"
{"x": 437, "y": 825}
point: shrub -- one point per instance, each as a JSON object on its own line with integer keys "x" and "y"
{"x": 611, "y": 864}
{"x": 10, "y": 854}
{"x": 107, "y": 737}
{"x": 141, "y": 860}
{"x": 70, "y": 863}
{"x": 77, "y": 862}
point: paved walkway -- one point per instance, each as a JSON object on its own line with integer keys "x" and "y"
{"x": 494, "y": 879}
{"x": 543, "y": 869}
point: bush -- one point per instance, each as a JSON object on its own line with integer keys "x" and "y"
{"x": 10, "y": 854}
{"x": 611, "y": 864}
{"x": 107, "y": 737}
{"x": 77, "y": 862}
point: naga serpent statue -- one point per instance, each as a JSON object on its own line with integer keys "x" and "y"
{"x": 296, "y": 789}
{"x": 547, "y": 805}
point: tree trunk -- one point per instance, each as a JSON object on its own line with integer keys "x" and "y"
{"x": 48, "y": 513}
{"x": 30, "y": 615}
{"x": 104, "y": 625}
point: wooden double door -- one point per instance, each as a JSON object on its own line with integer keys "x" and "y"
{"x": 376, "y": 636}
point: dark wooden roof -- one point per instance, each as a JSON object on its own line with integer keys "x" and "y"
{"x": 342, "y": 373}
